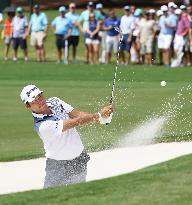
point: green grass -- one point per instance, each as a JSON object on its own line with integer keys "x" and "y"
{"x": 138, "y": 96}
{"x": 167, "y": 183}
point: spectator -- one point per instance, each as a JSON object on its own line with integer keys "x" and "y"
{"x": 167, "y": 25}
{"x": 126, "y": 26}
{"x": 84, "y": 18}
{"x": 38, "y": 28}
{"x": 132, "y": 10}
{"x": 102, "y": 34}
{"x": 147, "y": 31}
{"x": 112, "y": 38}
{"x": 159, "y": 13}
{"x": 7, "y": 33}
{"x": 92, "y": 39}
{"x": 20, "y": 32}
{"x": 62, "y": 28}
{"x": 181, "y": 33}
{"x": 75, "y": 33}
{"x": 135, "y": 40}
{"x": 189, "y": 11}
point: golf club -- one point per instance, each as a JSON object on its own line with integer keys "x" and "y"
{"x": 116, "y": 67}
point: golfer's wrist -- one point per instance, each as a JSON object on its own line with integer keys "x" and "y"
{"x": 96, "y": 117}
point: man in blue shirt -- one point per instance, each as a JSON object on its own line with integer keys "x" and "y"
{"x": 62, "y": 28}
{"x": 112, "y": 38}
{"x": 75, "y": 33}
{"x": 38, "y": 28}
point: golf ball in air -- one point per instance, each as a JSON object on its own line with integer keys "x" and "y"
{"x": 163, "y": 83}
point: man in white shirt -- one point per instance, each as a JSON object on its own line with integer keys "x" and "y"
{"x": 20, "y": 32}
{"x": 126, "y": 26}
{"x": 55, "y": 123}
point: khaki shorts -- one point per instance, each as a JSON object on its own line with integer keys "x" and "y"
{"x": 146, "y": 47}
{"x": 37, "y": 38}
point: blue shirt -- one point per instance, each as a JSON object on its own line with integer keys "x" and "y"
{"x": 61, "y": 25}
{"x": 38, "y": 22}
{"x": 92, "y": 27}
{"x": 170, "y": 19}
{"x": 84, "y": 17}
{"x": 73, "y": 17}
{"x": 114, "y": 23}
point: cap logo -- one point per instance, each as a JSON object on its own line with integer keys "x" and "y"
{"x": 29, "y": 92}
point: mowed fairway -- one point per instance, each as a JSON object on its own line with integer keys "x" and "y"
{"x": 138, "y": 96}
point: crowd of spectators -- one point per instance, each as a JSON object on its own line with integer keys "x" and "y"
{"x": 150, "y": 36}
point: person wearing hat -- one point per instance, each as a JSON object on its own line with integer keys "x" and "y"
{"x": 182, "y": 32}
{"x": 126, "y": 26}
{"x": 167, "y": 25}
{"x": 20, "y": 33}
{"x": 112, "y": 38}
{"x": 75, "y": 33}
{"x": 102, "y": 34}
{"x": 55, "y": 121}
{"x": 38, "y": 26}
{"x": 147, "y": 33}
{"x": 62, "y": 27}
{"x": 84, "y": 19}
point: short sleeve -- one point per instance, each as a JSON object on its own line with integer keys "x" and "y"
{"x": 53, "y": 23}
{"x": 68, "y": 108}
{"x": 45, "y": 20}
{"x": 26, "y": 22}
{"x": 51, "y": 128}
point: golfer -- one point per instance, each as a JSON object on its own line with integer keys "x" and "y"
{"x": 55, "y": 122}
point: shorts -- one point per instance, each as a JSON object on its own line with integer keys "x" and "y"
{"x": 112, "y": 43}
{"x": 164, "y": 41}
{"x": 73, "y": 40}
{"x": 37, "y": 38}
{"x": 179, "y": 42}
{"x": 60, "y": 42}
{"x": 124, "y": 43}
{"x": 91, "y": 41}
{"x": 64, "y": 172}
{"x": 19, "y": 42}
{"x": 146, "y": 47}
{"x": 7, "y": 40}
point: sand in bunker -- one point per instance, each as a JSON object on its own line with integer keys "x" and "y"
{"x": 29, "y": 174}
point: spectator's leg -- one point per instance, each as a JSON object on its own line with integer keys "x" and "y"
{"x": 96, "y": 52}
{"x": 15, "y": 48}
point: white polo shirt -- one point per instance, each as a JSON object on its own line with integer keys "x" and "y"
{"x": 58, "y": 145}
{"x": 19, "y": 25}
{"x": 127, "y": 24}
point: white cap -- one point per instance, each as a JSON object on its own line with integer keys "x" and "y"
{"x": 159, "y": 13}
{"x": 178, "y": 11}
{"x": 171, "y": 4}
{"x": 72, "y": 5}
{"x": 29, "y": 93}
{"x": 152, "y": 11}
{"x": 164, "y": 8}
{"x": 183, "y": 7}
{"x": 99, "y": 6}
{"x": 62, "y": 9}
{"x": 126, "y": 7}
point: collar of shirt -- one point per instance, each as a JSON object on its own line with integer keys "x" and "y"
{"x": 41, "y": 116}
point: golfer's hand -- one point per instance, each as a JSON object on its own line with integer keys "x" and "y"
{"x": 106, "y": 111}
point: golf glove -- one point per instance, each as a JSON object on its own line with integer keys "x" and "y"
{"x": 104, "y": 120}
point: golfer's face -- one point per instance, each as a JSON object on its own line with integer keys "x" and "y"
{"x": 38, "y": 105}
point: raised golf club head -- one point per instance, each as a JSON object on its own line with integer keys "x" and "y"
{"x": 117, "y": 29}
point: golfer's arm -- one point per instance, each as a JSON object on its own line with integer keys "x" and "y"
{"x": 83, "y": 118}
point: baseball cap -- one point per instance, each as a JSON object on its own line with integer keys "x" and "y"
{"x": 183, "y": 7}
{"x": 152, "y": 11}
{"x": 178, "y": 11}
{"x": 137, "y": 12}
{"x": 19, "y": 9}
{"x": 159, "y": 13}
{"x": 99, "y": 6}
{"x": 126, "y": 7}
{"x": 171, "y": 5}
{"x": 72, "y": 5}
{"x": 164, "y": 8}
{"x": 62, "y": 9}
{"x": 29, "y": 93}
{"x": 36, "y": 6}
{"x": 90, "y": 3}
